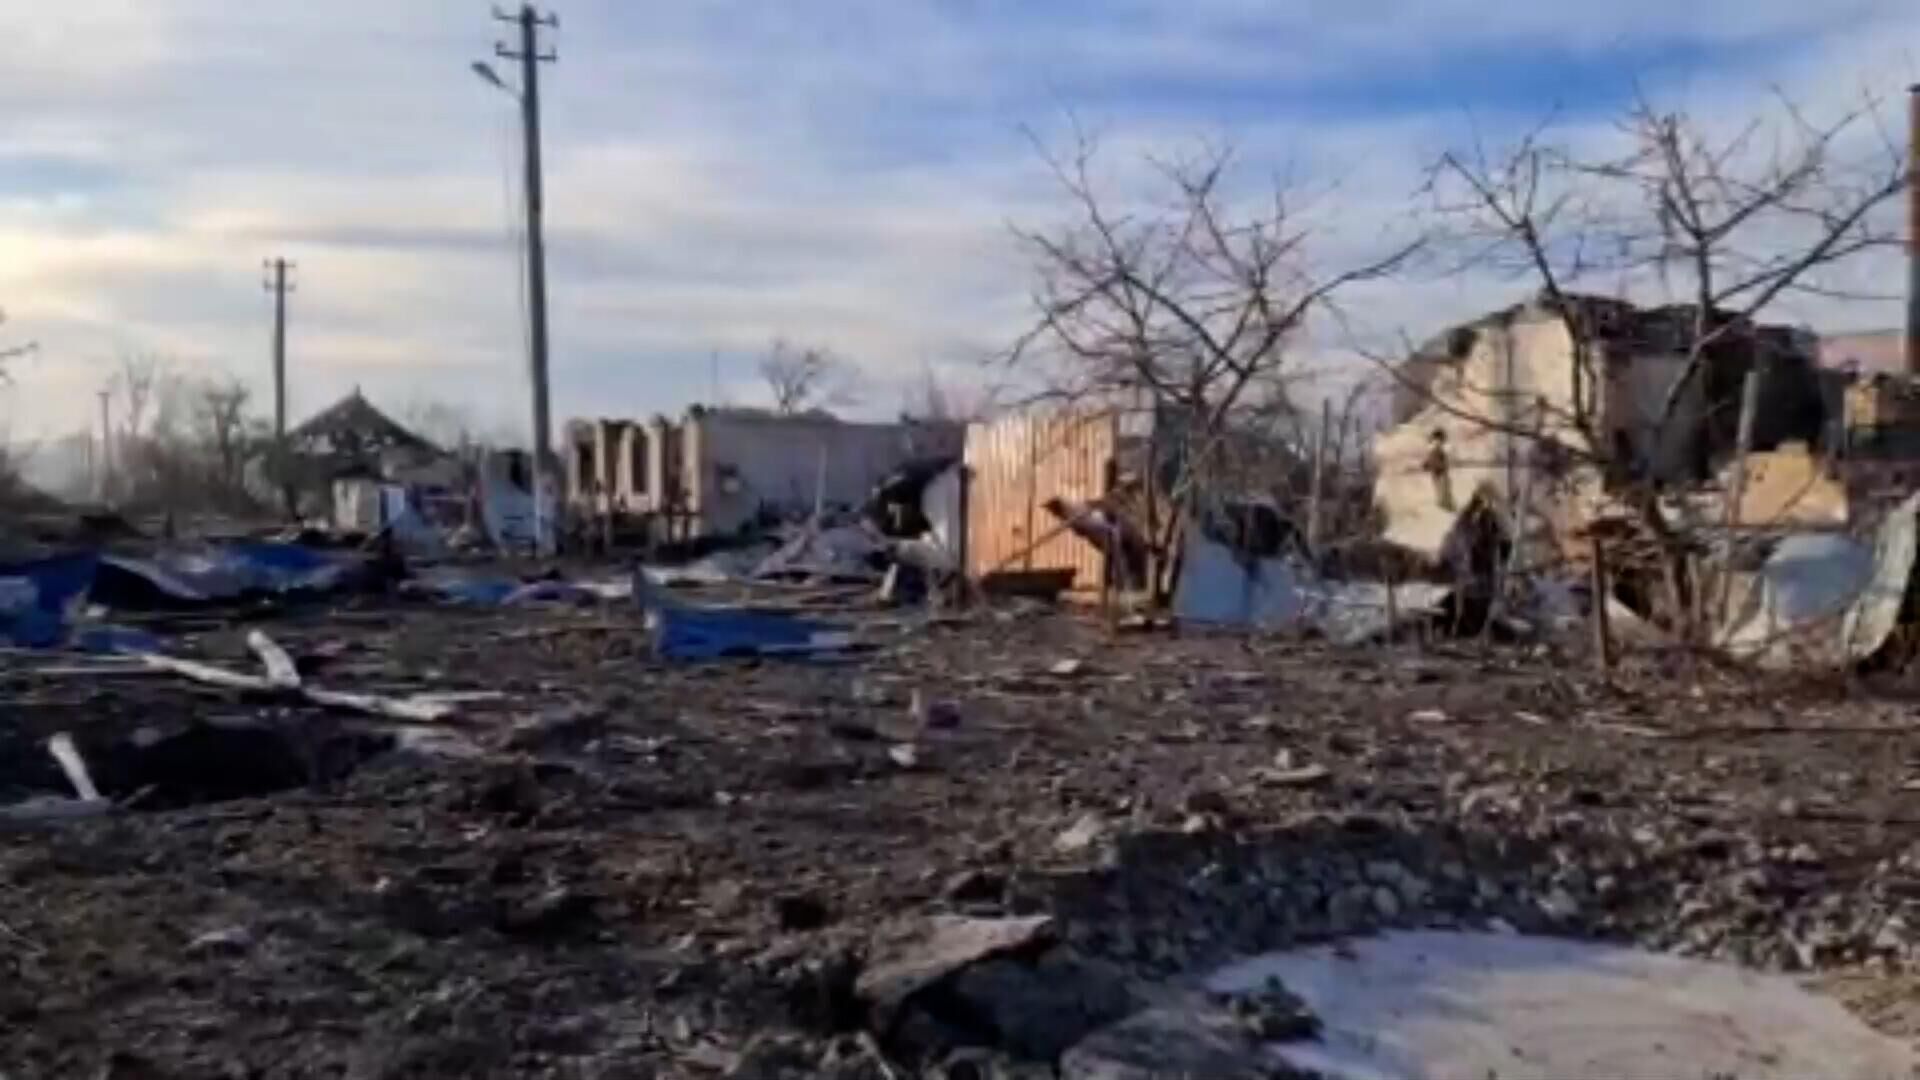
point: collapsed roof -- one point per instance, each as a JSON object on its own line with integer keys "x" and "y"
{"x": 352, "y": 427}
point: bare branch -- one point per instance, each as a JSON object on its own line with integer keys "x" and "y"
{"x": 802, "y": 378}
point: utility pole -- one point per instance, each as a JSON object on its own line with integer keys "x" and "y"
{"x": 276, "y": 283}
{"x": 106, "y": 449}
{"x": 529, "y": 21}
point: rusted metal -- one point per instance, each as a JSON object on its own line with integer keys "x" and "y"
{"x": 1016, "y": 465}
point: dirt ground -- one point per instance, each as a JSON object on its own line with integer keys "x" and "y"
{"x": 627, "y": 867}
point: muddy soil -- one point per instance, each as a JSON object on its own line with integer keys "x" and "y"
{"x": 625, "y": 867}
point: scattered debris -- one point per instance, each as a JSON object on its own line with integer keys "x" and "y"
{"x": 426, "y": 710}
{"x": 74, "y": 766}
{"x": 1302, "y": 776}
{"x": 1082, "y": 834}
{"x": 910, "y": 957}
{"x": 611, "y": 810}
{"x": 684, "y": 633}
{"x": 929, "y": 714}
{"x": 1171, "y": 1041}
{"x": 226, "y": 941}
{"x": 1218, "y": 588}
{"x": 281, "y": 672}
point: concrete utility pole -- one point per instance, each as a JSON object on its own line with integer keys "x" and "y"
{"x": 106, "y": 448}
{"x": 529, "y": 21}
{"x": 276, "y": 283}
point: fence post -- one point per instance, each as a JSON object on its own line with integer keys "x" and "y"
{"x": 1317, "y": 489}
{"x": 1602, "y": 632}
{"x": 963, "y": 538}
{"x": 1736, "y": 491}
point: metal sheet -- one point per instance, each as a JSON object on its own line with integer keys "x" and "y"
{"x": 1823, "y": 599}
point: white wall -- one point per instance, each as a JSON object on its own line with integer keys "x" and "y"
{"x": 778, "y": 463}
{"x": 356, "y": 505}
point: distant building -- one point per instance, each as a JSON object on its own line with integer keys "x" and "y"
{"x": 350, "y": 464}
{"x": 721, "y": 470}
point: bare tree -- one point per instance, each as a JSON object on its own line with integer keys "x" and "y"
{"x": 188, "y": 442}
{"x": 1723, "y": 225}
{"x": 450, "y": 427}
{"x": 931, "y": 397}
{"x": 805, "y": 377}
{"x": 139, "y": 375}
{"x": 221, "y": 425}
{"x": 1191, "y": 304}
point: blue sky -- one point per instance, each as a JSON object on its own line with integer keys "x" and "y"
{"x": 722, "y": 172}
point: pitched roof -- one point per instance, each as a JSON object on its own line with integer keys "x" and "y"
{"x": 353, "y": 426}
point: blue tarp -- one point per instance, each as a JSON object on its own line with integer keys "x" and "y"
{"x": 194, "y": 576}
{"x": 39, "y": 599}
{"x": 683, "y": 633}
{"x": 485, "y": 590}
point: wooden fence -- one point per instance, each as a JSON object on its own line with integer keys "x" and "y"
{"x": 1017, "y": 464}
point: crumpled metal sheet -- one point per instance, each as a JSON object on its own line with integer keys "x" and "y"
{"x": 1824, "y": 599}
{"x": 1217, "y": 589}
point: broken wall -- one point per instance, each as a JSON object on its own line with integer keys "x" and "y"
{"x": 608, "y": 466}
{"x": 739, "y": 466}
{"x": 1476, "y": 404}
{"x": 1516, "y": 382}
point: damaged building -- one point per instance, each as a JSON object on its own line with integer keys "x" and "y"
{"x": 721, "y": 470}
{"x": 1498, "y": 413}
{"x": 347, "y": 461}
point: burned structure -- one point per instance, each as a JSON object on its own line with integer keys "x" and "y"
{"x": 356, "y": 467}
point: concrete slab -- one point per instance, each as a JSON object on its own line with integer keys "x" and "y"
{"x": 1503, "y": 1007}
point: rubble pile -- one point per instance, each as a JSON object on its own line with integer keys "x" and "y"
{"x": 598, "y": 860}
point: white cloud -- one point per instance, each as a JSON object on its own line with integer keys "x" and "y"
{"x": 719, "y": 173}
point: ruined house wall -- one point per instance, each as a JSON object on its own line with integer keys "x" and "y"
{"x": 1493, "y": 388}
{"x": 667, "y": 482}
{"x": 775, "y": 463}
{"x": 1525, "y": 356}
{"x": 596, "y": 480}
